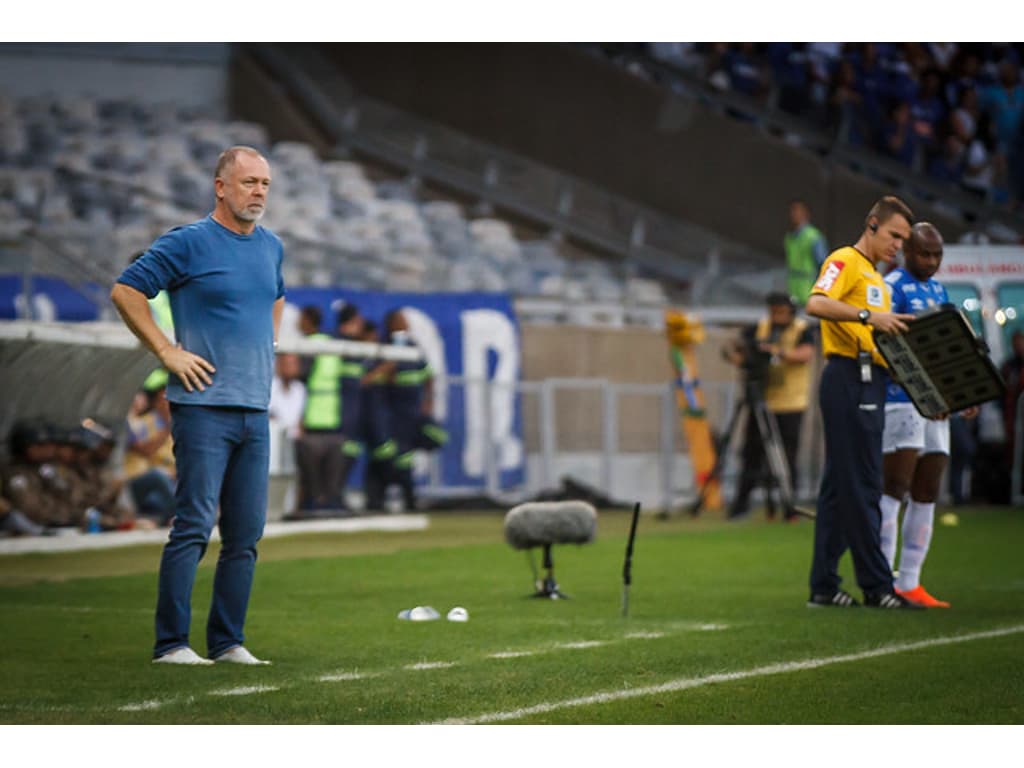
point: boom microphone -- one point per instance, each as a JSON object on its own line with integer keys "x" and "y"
{"x": 546, "y": 523}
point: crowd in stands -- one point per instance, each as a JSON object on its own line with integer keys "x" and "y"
{"x": 951, "y": 111}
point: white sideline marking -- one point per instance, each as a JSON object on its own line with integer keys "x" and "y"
{"x": 76, "y": 540}
{"x": 580, "y": 644}
{"x": 644, "y": 635}
{"x": 341, "y": 677}
{"x": 712, "y": 627}
{"x": 245, "y": 690}
{"x": 431, "y": 665}
{"x": 511, "y": 654}
{"x": 727, "y": 677}
{"x": 142, "y": 706}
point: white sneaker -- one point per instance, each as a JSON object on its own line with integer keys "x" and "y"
{"x": 182, "y": 655}
{"x": 239, "y": 655}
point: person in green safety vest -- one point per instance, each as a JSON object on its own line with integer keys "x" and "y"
{"x": 318, "y": 450}
{"x": 406, "y": 396}
{"x": 806, "y": 251}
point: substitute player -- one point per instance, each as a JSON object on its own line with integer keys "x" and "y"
{"x": 915, "y": 449}
{"x": 851, "y": 299}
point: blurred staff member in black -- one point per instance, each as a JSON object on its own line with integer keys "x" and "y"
{"x": 775, "y": 357}
{"x": 852, "y": 300}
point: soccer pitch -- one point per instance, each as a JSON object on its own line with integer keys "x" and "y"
{"x": 717, "y": 633}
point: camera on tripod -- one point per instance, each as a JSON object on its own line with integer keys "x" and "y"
{"x": 755, "y": 362}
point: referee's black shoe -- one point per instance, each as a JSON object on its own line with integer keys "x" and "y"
{"x": 891, "y": 600}
{"x": 838, "y": 599}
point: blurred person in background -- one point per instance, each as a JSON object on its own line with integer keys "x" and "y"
{"x": 223, "y": 276}
{"x": 149, "y": 466}
{"x": 408, "y": 398}
{"x": 318, "y": 455}
{"x": 351, "y": 326}
{"x": 805, "y": 249}
{"x": 775, "y": 356}
{"x": 27, "y": 478}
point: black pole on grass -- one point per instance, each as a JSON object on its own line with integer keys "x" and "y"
{"x": 627, "y": 566}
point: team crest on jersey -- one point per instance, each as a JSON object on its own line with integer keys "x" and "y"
{"x": 829, "y": 276}
{"x": 874, "y": 297}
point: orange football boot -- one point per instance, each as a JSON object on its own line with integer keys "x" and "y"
{"x": 921, "y": 597}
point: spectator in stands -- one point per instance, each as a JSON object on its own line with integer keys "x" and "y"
{"x": 805, "y": 249}
{"x": 223, "y": 274}
{"x": 1004, "y": 102}
{"x": 871, "y": 82}
{"x": 928, "y": 110}
{"x": 846, "y": 105}
{"x": 318, "y": 453}
{"x": 149, "y": 467}
{"x": 979, "y": 163}
{"x": 747, "y": 75}
{"x": 949, "y": 164}
{"x": 898, "y": 138}
{"x": 791, "y": 73}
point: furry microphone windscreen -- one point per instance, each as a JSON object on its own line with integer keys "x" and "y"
{"x": 538, "y": 523}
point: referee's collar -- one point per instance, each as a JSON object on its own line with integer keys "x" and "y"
{"x": 865, "y": 257}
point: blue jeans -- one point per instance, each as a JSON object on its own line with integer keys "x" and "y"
{"x": 223, "y": 459}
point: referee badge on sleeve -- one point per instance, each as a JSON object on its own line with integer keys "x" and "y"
{"x": 874, "y": 297}
{"x": 828, "y": 277}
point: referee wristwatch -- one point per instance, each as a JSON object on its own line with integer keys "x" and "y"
{"x": 863, "y": 316}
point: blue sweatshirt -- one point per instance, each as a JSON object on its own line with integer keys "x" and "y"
{"x": 222, "y": 287}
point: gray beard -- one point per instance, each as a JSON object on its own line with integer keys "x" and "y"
{"x": 246, "y": 215}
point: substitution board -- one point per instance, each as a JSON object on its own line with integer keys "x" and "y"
{"x": 943, "y": 366}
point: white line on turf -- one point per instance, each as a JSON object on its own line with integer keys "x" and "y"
{"x": 581, "y": 644}
{"x": 430, "y": 665}
{"x": 682, "y": 684}
{"x": 644, "y": 635}
{"x": 340, "y": 677}
{"x": 511, "y": 654}
{"x": 245, "y": 690}
{"x": 142, "y": 706}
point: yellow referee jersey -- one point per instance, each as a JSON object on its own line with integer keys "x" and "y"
{"x": 849, "y": 276}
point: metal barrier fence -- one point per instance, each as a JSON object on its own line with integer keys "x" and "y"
{"x": 514, "y": 441}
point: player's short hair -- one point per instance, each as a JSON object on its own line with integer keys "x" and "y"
{"x": 228, "y": 157}
{"x": 886, "y": 208}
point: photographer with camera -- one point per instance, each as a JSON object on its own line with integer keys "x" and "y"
{"x": 774, "y": 357}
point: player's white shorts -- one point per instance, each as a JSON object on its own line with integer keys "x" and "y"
{"x": 906, "y": 428}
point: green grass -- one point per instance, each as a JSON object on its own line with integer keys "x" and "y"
{"x": 709, "y": 598}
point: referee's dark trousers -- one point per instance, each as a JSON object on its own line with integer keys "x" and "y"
{"x": 853, "y": 416}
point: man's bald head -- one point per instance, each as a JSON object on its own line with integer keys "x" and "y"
{"x": 922, "y": 252}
